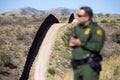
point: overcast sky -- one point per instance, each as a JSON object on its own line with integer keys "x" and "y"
{"x": 98, "y": 6}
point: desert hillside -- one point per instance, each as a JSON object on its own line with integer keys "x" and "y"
{"x": 16, "y": 36}
{"x": 18, "y": 31}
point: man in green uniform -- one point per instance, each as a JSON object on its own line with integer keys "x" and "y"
{"x": 87, "y": 41}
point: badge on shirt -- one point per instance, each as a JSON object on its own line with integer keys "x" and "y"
{"x": 87, "y": 31}
{"x": 99, "y": 32}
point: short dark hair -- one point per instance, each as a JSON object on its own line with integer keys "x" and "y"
{"x": 88, "y": 11}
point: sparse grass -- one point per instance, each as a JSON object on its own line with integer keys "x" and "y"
{"x": 111, "y": 68}
{"x": 16, "y": 35}
{"x": 63, "y": 19}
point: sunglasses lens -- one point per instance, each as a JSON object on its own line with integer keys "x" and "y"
{"x": 80, "y": 15}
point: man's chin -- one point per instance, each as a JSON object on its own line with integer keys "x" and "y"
{"x": 81, "y": 23}
{"x": 72, "y": 45}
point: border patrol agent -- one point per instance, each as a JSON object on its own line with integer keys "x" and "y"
{"x": 87, "y": 40}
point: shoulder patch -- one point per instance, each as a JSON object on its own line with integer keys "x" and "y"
{"x": 87, "y": 31}
{"x": 99, "y": 32}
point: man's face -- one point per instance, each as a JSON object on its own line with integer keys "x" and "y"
{"x": 82, "y": 18}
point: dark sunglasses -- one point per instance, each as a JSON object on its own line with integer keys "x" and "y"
{"x": 80, "y": 15}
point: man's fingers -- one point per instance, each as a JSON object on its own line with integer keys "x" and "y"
{"x": 71, "y": 44}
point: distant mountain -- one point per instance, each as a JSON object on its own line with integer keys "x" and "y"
{"x": 61, "y": 11}
{"x": 29, "y": 10}
{"x": 25, "y": 10}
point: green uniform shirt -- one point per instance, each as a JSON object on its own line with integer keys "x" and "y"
{"x": 92, "y": 38}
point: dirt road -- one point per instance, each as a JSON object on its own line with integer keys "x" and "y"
{"x": 42, "y": 60}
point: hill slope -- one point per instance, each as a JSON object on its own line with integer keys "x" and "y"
{"x": 25, "y": 10}
{"x": 29, "y": 10}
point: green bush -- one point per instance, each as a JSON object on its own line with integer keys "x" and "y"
{"x": 5, "y": 58}
{"x": 104, "y": 21}
{"x": 107, "y": 15}
{"x": 116, "y": 37}
{"x": 117, "y": 19}
{"x": 51, "y": 71}
{"x": 112, "y": 22}
{"x": 21, "y": 37}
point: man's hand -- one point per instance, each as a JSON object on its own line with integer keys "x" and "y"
{"x": 74, "y": 42}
